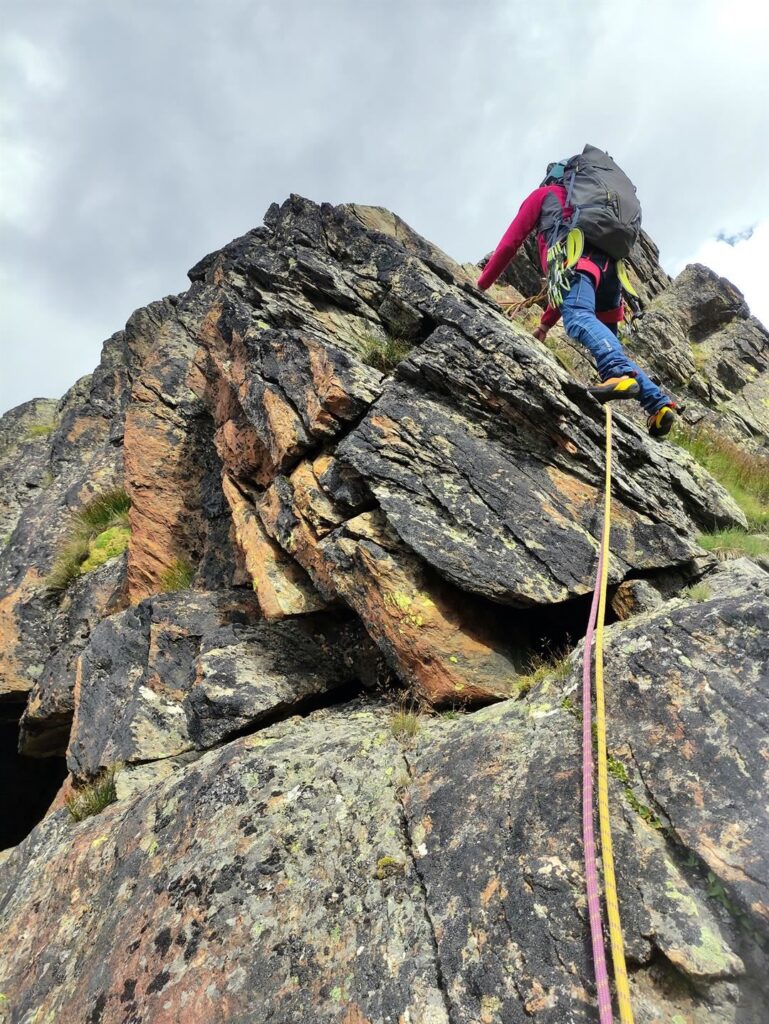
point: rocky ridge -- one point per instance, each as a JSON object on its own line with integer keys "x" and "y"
{"x": 276, "y": 852}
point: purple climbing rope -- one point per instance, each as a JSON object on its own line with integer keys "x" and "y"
{"x": 588, "y": 833}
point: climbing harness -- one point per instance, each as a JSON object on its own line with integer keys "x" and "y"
{"x": 596, "y": 626}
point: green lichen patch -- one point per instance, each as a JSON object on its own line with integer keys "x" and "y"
{"x": 387, "y": 867}
{"x": 41, "y": 429}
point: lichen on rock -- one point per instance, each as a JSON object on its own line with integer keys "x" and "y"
{"x": 284, "y": 845}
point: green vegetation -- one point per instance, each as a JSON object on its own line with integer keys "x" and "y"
{"x": 619, "y": 771}
{"x": 700, "y": 355}
{"x": 744, "y": 474}
{"x": 405, "y": 725}
{"x": 556, "y": 667}
{"x": 110, "y": 508}
{"x": 99, "y": 531}
{"x": 108, "y": 544}
{"x": 41, "y": 429}
{"x": 94, "y": 796}
{"x": 568, "y": 705}
{"x": 698, "y": 592}
{"x": 386, "y": 867}
{"x": 734, "y": 543}
{"x": 66, "y": 568}
{"x": 178, "y": 576}
{"x": 384, "y": 354}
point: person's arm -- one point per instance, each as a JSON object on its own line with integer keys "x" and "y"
{"x": 513, "y": 238}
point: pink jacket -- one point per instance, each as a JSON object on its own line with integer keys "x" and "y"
{"x": 525, "y": 222}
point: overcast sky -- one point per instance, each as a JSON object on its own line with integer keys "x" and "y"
{"x": 138, "y": 136}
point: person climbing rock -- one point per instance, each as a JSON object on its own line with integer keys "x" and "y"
{"x": 588, "y": 291}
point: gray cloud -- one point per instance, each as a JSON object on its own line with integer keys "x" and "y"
{"x": 143, "y": 135}
{"x": 737, "y": 236}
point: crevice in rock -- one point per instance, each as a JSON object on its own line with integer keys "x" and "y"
{"x": 341, "y": 694}
{"x": 408, "y": 843}
{"x": 666, "y": 976}
{"x": 29, "y": 783}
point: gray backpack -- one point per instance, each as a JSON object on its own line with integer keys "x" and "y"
{"x": 606, "y": 214}
{"x": 604, "y": 200}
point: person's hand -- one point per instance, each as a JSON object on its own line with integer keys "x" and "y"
{"x": 540, "y": 333}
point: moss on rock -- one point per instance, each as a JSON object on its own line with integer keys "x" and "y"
{"x": 108, "y": 544}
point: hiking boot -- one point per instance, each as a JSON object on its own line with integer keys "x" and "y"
{"x": 661, "y": 421}
{"x": 615, "y": 387}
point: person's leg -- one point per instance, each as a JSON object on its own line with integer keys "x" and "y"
{"x": 580, "y": 323}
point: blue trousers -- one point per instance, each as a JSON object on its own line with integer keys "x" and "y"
{"x": 580, "y": 323}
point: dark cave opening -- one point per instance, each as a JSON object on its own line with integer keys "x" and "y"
{"x": 555, "y": 629}
{"x": 524, "y": 634}
{"x": 29, "y": 783}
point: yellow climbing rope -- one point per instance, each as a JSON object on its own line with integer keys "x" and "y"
{"x": 607, "y": 855}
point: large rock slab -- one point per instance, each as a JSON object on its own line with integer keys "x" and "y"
{"x": 172, "y": 471}
{"x": 700, "y": 337}
{"x": 181, "y": 672}
{"x": 488, "y": 464}
{"x": 317, "y": 870}
{"x": 24, "y": 450}
{"x": 689, "y": 696}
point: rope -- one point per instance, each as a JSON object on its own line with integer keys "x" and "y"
{"x": 513, "y": 308}
{"x": 596, "y": 622}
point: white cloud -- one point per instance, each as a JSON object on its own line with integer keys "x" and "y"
{"x": 743, "y": 263}
{"x": 137, "y": 137}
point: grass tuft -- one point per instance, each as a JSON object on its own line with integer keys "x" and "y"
{"x": 104, "y": 511}
{"x": 178, "y": 576}
{"x": 384, "y": 354}
{"x": 66, "y": 568}
{"x": 405, "y": 725}
{"x": 555, "y": 667}
{"x": 98, "y": 531}
{"x": 94, "y": 796}
{"x": 734, "y": 543}
{"x": 698, "y": 592}
{"x": 744, "y": 474}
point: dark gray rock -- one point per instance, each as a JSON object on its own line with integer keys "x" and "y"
{"x": 45, "y": 724}
{"x": 185, "y": 671}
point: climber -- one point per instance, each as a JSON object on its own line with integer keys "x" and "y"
{"x": 592, "y": 307}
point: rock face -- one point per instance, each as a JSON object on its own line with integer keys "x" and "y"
{"x": 356, "y": 485}
{"x": 323, "y": 869}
